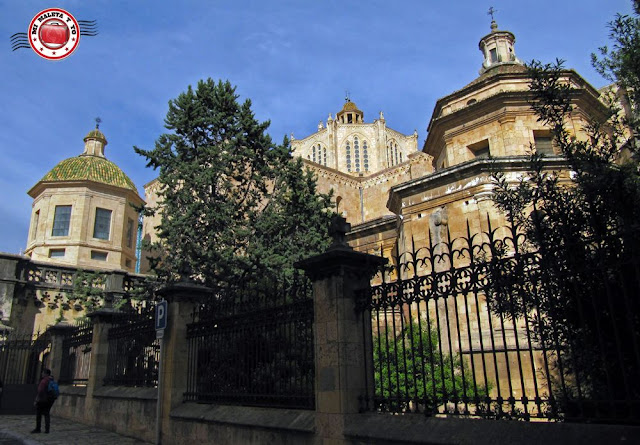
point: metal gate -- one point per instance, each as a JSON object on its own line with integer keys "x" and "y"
{"x": 22, "y": 358}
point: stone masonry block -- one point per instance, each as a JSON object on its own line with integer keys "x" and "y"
{"x": 326, "y": 379}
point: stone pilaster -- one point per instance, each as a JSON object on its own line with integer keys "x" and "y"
{"x": 340, "y": 354}
{"x": 182, "y": 299}
{"x": 102, "y": 320}
{"x": 57, "y": 355}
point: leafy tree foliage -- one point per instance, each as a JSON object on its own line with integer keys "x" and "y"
{"x": 88, "y": 290}
{"x": 412, "y": 366}
{"x": 621, "y": 62}
{"x": 232, "y": 202}
{"x": 581, "y": 288}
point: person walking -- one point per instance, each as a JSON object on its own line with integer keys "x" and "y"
{"x": 43, "y": 402}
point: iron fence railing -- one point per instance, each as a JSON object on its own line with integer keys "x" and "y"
{"x": 23, "y": 356}
{"x": 134, "y": 350}
{"x": 76, "y": 349}
{"x": 491, "y": 327}
{"x": 253, "y": 345}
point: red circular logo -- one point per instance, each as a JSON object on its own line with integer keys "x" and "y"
{"x": 54, "y": 34}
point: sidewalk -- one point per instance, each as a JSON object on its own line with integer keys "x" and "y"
{"x": 15, "y": 430}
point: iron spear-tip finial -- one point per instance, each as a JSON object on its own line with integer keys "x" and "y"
{"x": 98, "y": 120}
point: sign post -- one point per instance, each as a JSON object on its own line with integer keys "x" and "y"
{"x": 161, "y": 325}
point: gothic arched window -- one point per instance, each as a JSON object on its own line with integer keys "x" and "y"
{"x": 314, "y": 153}
{"x": 324, "y": 156}
{"x": 365, "y": 156}
{"x": 356, "y": 152}
{"x": 348, "y": 153}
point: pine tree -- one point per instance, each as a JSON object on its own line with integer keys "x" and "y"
{"x": 230, "y": 198}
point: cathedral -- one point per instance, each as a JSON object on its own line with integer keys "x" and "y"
{"x": 392, "y": 192}
{"x": 388, "y": 188}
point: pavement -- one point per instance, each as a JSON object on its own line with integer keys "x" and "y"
{"x": 16, "y": 430}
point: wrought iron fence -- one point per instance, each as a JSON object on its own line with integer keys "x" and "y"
{"x": 76, "y": 347}
{"x": 488, "y": 326}
{"x": 253, "y": 345}
{"x": 23, "y": 356}
{"x": 134, "y": 351}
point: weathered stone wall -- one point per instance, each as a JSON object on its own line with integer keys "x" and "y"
{"x": 231, "y": 425}
{"x": 219, "y": 424}
{"x": 372, "y": 428}
{"x": 35, "y": 295}
{"x": 128, "y": 411}
{"x": 8, "y": 278}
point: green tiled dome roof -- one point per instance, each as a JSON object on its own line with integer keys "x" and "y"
{"x": 90, "y": 168}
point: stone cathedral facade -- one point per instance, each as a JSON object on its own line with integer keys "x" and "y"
{"x": 393, "y": 192}
{"x": 390, "y": 188}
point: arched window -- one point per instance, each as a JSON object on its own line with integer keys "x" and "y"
{"x": 365, "y": 156}
{"x": 324, "y": 156}
{"x": 400, "y": 156}
{"x": 348, "y": 152}
{"x": 356, "y": 152}
{"x": 314, "y": 153}
{"x": 396, "y": 152}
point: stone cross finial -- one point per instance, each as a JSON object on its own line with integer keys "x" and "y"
{"x": 494, "y": 25}
{"x": 337, "y": 230}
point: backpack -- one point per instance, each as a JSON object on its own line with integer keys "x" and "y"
{"x": 52, "y": 390}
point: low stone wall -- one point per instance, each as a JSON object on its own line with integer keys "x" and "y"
{"x": 131, "y": 411}
{"x": 124, "y": 410}
{"x": 71, "y": 404}
{"x": 385, "y": 428}
{"x": 223, "y": 424}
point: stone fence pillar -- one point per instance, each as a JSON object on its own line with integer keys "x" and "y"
{"x": 340, "y": 358}
{"x": 102, "y": 320}
{"x": 182, "y": 299}
{"x": 57, "y": 354}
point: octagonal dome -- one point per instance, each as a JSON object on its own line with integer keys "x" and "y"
{"x": 90, "y": 168}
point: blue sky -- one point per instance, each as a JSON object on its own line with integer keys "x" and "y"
{"x": 293, "y": 58}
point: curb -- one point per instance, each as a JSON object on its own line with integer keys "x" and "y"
{"x": 20, "y": 437}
